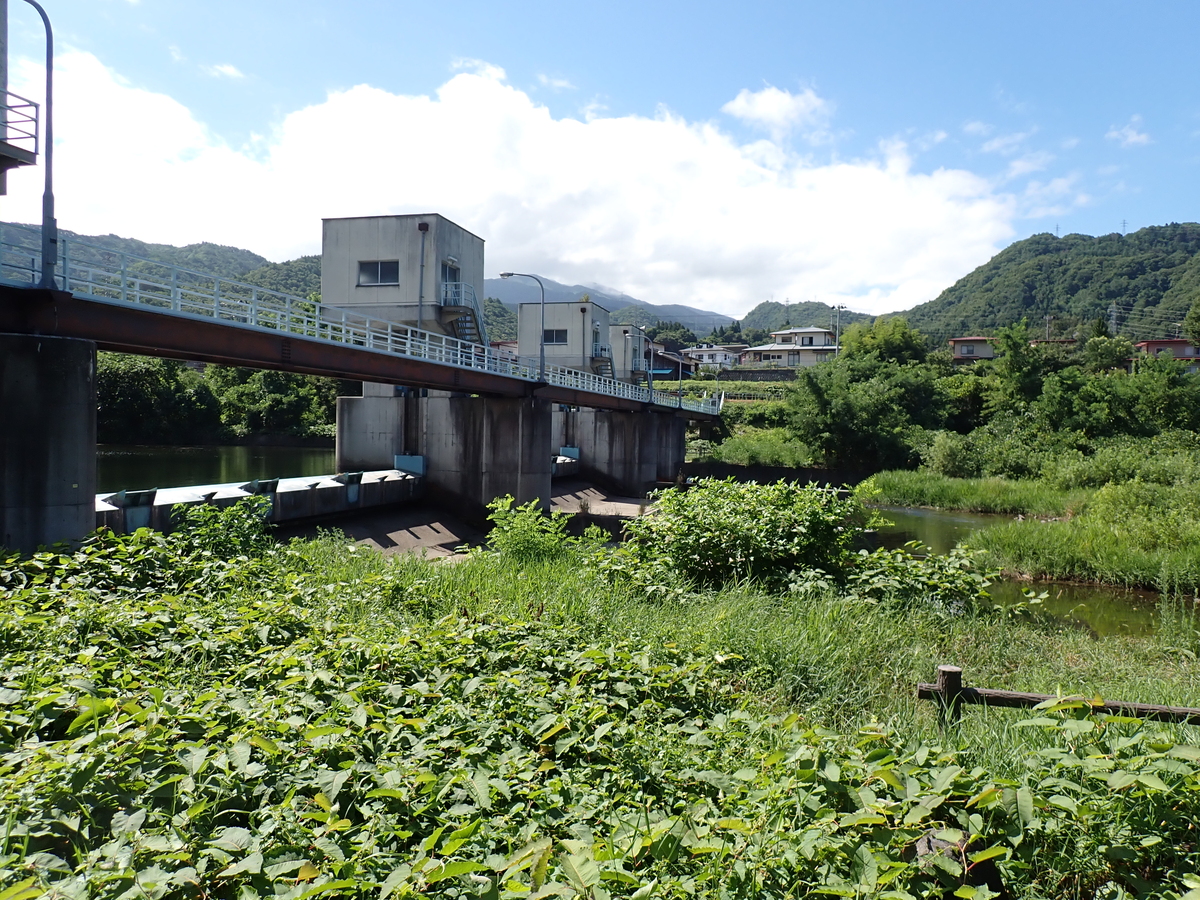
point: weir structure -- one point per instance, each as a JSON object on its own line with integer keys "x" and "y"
{"x": 482, "y": 419}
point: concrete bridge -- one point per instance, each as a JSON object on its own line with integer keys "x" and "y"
{"x": 483, "y": 421}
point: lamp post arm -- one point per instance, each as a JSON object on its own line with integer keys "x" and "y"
{"x": 49, "y": 225}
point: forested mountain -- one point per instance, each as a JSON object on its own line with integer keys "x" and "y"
{"x": 772, "y": 316}
{"x": 296, "y": 276}
{"x": 501, "y": 320}
{"x": 214, "y": 259}
{"x": 1148, "y": 279}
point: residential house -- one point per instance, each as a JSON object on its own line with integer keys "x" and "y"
{"x": 1178, "y": 348}
{"x": 969, "y": 349}
{"x": 713, "y": 355}
{"x": 793, "y": 348}
{"x": 423, "y": 271}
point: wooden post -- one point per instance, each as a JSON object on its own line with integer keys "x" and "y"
{"x": 949, "y": 688}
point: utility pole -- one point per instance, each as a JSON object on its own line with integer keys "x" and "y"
{"x": 1112, "y": 318}
{"x": 837, "y": 335}
{"x": 1049, "y": 319}
{"x": 1123, "y": 224}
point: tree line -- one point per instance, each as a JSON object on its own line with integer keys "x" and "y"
{"x": 144, "y": 400}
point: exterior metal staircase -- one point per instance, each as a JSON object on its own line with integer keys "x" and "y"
{"x": 462, "y": 313}
{"x": 602, "y": 362}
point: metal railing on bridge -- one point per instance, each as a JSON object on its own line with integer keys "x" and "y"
{"x": 93, "y": 272}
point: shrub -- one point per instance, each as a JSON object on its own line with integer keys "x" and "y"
{"x": 525, "y": 534}
{"x": 718, "y": 532}
{"x": 770, "y": 447}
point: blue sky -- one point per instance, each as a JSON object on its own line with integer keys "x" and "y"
{"x": 709, "y": 154}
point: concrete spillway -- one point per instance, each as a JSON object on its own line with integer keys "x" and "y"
{"x": 300, "y": 499}
{"x": 292, "y": 499}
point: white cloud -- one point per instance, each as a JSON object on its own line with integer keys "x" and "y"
{"x": 1028, "y": 163}
{"x": 1006, "y": 144}
{"x": 555, "y": 84}
{"x": 1128, "y": 135}
{"x": 224, "y": 70}
{"x": 176, "y": 54}
{"x": 979, "y": 129}
{"x": 669, "y": 210}
{"x": 780, "y": 112}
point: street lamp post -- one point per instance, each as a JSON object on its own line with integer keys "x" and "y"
{"x": 837, "y": 335}
{"x": 49, "y": 225}
{"x": 542, "y": 335}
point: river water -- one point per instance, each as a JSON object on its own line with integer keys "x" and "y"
{"x": 1103, "y": 610}
{"x": 136, "y": 468}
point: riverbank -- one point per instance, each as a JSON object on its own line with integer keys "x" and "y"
{"x": 329, "y": 719}
{"x": 1131, "y": 534}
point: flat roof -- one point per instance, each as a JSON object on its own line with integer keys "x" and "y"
{"x": 404, "y": 216}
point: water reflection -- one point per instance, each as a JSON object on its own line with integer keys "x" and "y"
{"x": 120, "y": 467}
{"x": 1102, "y": 610}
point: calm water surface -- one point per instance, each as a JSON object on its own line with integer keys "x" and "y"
{"x": 135, "y": 468}
{"x": 1103, "y": 610}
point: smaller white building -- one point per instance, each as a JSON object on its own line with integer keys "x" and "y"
{"x": 576, "y": 335}
{"x": 631, "y": 352}
{"x": 793, "y": 348}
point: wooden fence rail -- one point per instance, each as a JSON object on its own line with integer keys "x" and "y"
{"x": 950, "y": 694}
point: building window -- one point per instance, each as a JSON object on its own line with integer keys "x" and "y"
{"x": 968, "y": 350}
{"x": 787, "y": 340}
{"x": 380, "y": 271}
{"x": 554, "y": 336}
{"x": 806, "y": 341}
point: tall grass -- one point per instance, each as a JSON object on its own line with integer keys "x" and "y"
{"x": 845, "y": 664}
{"x": 985, "y": 495}
{"x": 1134, "y": 534}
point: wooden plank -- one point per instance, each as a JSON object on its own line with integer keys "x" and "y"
{"x": 951, "y": 694}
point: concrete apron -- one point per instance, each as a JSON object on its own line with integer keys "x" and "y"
{"x": 47, "y": 440}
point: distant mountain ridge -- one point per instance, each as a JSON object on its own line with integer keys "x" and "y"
{"x": 625, "y": 309}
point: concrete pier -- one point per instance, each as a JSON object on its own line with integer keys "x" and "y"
{"x": 630, "y": 452}
{"x": 480, "y": 448}
{"x": 370, "y": 429}
{"x": 47, "y": 440}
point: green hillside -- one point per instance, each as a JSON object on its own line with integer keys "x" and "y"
{"x": 1148, "y": 279}
{"x": 500, "y": 320}
{"x": 772, "y": 316}
{"x": 296, "y": 276}
{"x": 215, "y": 259}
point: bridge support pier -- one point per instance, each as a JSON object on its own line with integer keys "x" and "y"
{"x": 630, "y": 452}
{"x": 370, "y": 429}
{"x": 47, "y": 440}
{"x": 480, "y": 448}
{"x": 475, "y": 448}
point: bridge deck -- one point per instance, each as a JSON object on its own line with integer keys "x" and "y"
{"x": 135, "y": 305}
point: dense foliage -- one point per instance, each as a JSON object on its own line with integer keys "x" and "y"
{"x": 771, "y": 315}
{"x": 208, "y": 715}
{"x": 500, "y": 320}
{"x": 141, "y": 399}
{"x": 886, "y": 403}
{"x": 160, "y": 401}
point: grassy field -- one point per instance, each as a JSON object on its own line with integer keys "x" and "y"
{"x": 211, "y": 715}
